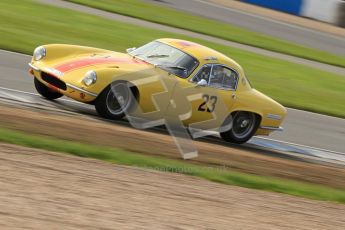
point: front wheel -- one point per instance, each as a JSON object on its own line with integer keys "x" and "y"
{"x": 46, "y": 91}
{"x": 244, "y": 126}
{"x": 114, "y": 101}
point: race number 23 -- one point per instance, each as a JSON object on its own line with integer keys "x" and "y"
{"x": 209, "y": 103}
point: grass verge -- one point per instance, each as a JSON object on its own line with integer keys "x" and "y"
{"x": 29, "y": 24}
{"x": 164, "y": 15}
{"x": 220, "y": 175}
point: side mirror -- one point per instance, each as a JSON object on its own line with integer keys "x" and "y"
{"x": 202, "y": 82}
{"x": 131, "y": 49}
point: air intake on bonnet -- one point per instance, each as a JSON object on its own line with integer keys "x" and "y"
{"x": 53, "y": 80}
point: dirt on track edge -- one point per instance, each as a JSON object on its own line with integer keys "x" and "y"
{"x": 46, "y": 190}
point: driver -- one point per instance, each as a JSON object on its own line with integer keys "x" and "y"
{"x": 217, "y": 76}
{"x": 204, "y": 74}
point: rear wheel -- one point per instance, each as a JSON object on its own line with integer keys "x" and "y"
{"x": 244, "y": 126}
{"x": 46, "y": 91}
{"x": 114, "y": 101}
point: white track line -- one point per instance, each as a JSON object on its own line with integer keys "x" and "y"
{"x": 16, "y": 97}
{"x": 299, "y": 145}
{"x": 18, "y": 91}
{"x": 264, "y": 138}
{"x": 35, "y": 94}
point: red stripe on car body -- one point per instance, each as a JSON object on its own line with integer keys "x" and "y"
{"x": 80, "y": 63}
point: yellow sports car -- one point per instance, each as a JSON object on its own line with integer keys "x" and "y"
{"x": 205, "y": 89}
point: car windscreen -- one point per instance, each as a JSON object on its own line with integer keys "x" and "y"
{"x": 167, "y": 57}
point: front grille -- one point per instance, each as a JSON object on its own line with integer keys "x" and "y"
{"x": 53, "y": 81}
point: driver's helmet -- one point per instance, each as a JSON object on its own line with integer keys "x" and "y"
{"x": 205, "y": 74}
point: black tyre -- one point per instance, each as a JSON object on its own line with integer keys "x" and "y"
{"x": 114, "y": 101}
{"x": 244, "y": 126}
{"x": 46, "y": 91}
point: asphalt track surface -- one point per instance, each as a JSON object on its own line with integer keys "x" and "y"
{"x": 151, "y": 25}
{"x": 305, "y": 133}
{"x": 296, "y": 34}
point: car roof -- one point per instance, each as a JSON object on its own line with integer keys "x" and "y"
{"x": 201, "y": 52}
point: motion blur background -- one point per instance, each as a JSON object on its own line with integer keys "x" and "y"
{"x": 291, "y": 50}
{"x": 331, "y": 11}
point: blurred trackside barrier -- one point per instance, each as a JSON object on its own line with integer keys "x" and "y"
{"x": 331, "y": 11}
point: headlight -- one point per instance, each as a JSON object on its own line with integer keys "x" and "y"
{"x": 39, "y": 53}
{"x": 90, "y": 78}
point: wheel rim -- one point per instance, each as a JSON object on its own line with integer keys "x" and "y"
{"x": 118, "y": 99}
{"x": 243, "y": 124}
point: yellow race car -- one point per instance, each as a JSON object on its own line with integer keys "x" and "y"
{"x": 202, "y": 87}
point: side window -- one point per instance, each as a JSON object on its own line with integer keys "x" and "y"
{"x": 204, "y": 73}
{"x": 217, "y": 76}
{"x": 230, "y": 79}
{"x": 222, "y": 77}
